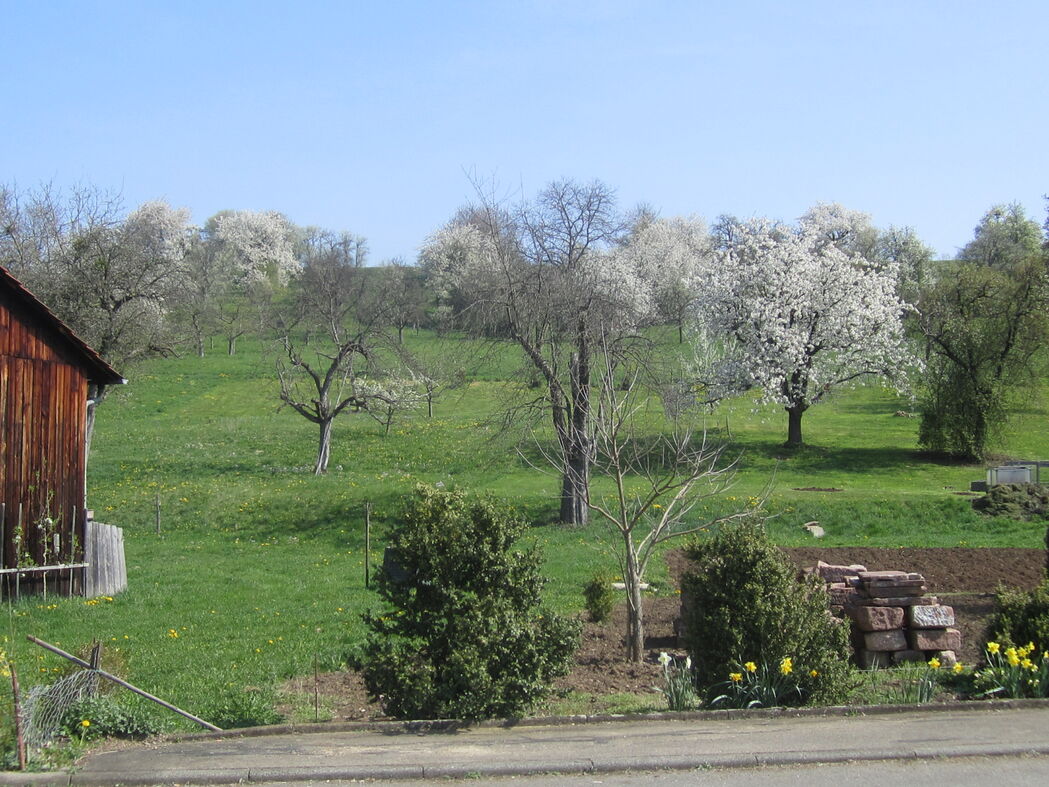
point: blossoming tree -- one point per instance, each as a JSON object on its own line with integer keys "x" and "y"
{"x": 807, "y": 307}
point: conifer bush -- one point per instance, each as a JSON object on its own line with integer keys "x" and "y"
{"x": 744, "y": 604}
{"x": 463, "y": 634}
{"x": 599, "y": 598}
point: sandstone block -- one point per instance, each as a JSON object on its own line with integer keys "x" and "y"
{"x": 948, "y": 658}
{"x": 833, "y": 573}
{"x": 848, "y": 598}
{"x": 930, "y": 617}
{"x": 935, "y": 639}
{"x": 895, "y": 639}
{"x": 882, "y": 575}
{"x": 877, "y": 618}
{"x": 904, "y": 601}
{"x": 895, "y": 591}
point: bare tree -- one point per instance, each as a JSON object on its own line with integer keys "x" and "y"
{"x": 657, "y": 480}
{"x": 329, "y": 360}
{"x": 403, "y": 297}
{"x": 545, "y": 274}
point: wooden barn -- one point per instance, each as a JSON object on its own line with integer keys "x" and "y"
{"x": 45, "y": 370}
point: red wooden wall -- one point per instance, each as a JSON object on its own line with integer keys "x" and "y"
{"x": 43, "y": 401}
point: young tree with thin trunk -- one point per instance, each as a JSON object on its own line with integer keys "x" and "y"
{"x": 656, "y": 481}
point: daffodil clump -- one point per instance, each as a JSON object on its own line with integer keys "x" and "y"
{"x": 1013, "y": 672}
{"x": 678, "y": 682}
{"x": 764, "y": 686}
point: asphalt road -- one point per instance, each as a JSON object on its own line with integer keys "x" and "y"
{"x": 969, "y": 738}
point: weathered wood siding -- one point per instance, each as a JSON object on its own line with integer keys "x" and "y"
{"x": 106, "y": 573}
{"x": 43, "y": 397}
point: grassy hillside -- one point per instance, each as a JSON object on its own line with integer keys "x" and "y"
{"x": 257, "y": 572}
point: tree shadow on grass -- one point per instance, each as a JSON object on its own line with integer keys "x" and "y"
{"x": 833, "y": 459}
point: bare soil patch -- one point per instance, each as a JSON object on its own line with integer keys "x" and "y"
{"x": 964, "y": 578}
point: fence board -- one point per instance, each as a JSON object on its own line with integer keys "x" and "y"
{"x": 106, "y": 573}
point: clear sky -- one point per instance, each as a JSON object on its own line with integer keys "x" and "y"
{"x": 369, "y": 116}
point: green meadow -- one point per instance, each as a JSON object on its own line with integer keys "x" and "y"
{"x": 257, "y": 570}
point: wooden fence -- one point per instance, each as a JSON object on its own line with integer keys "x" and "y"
{"x": 106, "y": 571}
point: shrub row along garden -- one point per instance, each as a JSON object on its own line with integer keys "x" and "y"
{"x": 464, "y": 633}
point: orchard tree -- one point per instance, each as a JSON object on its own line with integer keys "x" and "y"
{"x": 551, "y": 275}
{"x": 805, "y": 309}
{"x": 257, "y": 259}
{"x": 673, "y": 255}
{"x": 984, "y": 322}
{"x": 110, "y": 277}
{"x": 329, "y": 352}
{"x": 984, "y": 327}
{"x": 1004, "y": 237}
{"x": 903, "y": 247}
{"x": 403, "y": 296}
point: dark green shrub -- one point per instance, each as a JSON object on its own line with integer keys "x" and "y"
{"x": 463, "y": 635}
{"x": 1021, "y": 616}
{"x": 742, "y": 602}
{"x": 599, "y": 597}
{"x": 108, "y": 718}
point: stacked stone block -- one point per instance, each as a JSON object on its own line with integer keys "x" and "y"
{"x": 893, "y": 621}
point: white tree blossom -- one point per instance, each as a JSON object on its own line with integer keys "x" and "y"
{"x": 670, "y": 259}
{"x": 263, "y": 244}
{"x": 805, "y": 311}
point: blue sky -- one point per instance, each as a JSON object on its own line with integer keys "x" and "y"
{"x": 369, "y": 116}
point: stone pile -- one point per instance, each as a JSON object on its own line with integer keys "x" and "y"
{"x": 893, "y": 621}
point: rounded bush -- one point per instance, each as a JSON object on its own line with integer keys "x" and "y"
{"x": 742, "y": 602}
{"x": 464, "y": 634}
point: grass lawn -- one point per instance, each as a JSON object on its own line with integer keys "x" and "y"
{"x": 257, "y": 573}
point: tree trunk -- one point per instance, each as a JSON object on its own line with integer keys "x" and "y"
{"x": 635, "y": 617}
{"x": 323, "y": 448}
{"x": 575, "y": 483}
{"x": 794, "y": 414}
{"x": 231, "y": 345}
{"x": 400, "y": 334}
{"x": 575, "y": 486}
